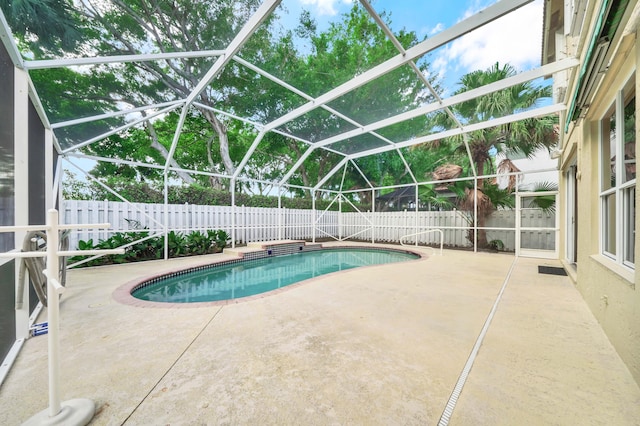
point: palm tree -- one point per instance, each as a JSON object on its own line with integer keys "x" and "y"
{"x": 525, "y": 136}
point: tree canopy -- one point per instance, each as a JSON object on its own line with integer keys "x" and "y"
{"x": 309, "y": 60}
{"x": 274, "y": 73}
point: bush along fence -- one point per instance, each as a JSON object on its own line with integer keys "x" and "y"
{"x": 143, "y": 246}
{"x": 250, "y": 223}
{"x": 267, "y": 224}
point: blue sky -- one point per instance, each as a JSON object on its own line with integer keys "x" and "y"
{"x": 515, "y": 38}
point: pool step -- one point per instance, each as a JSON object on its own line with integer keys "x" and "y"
{"x": 272, "y": 244}
{"x": 258, "y": 250}
{"x": 242, "y": 251}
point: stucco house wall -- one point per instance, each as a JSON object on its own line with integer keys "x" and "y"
{"x": 610, "y": 288}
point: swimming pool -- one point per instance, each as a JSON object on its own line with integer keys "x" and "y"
{"x": 247, "y": 278}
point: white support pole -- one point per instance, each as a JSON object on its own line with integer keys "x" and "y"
{"x": 465, "y": 140}
{"x": 50, "y": 187}
{"x": 416, "y": 215}
{"x": 53, "y": 312}
{"x": 76, "y": 411}
{"x": 280, "y": 221}
{"x": 475, "y": 215}
{"x": 176, "y": 137}
{"x": 313, "y": 219}
{"x": 373, "y": 215}
{"x": 98, "y": 60}
{"x": 232, "y": 188}
{"x": 518, "y": 235}
{"x": 56, "y": 195}
{"x": 340, "y": 217}
{"x": 297, "y": 165}
{"x": 165, "y": 225}
{"x": 20, "y": 168}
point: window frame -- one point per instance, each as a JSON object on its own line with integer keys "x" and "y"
{"x": 623, "y": 216}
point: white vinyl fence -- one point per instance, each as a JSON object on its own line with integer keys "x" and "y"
{"x": 251, "y": 223}
{"x": 263, "y": 224}
{"x": 391, "y": 226}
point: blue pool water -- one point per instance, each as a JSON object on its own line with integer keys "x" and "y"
{"x": 244, "y": 279}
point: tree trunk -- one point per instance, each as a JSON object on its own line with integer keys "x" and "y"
{"x": 186, "y": 177}
{"x": 482, "y": 233}
{"x": 302, "y": 169}
{"x": 221, "y": 130}
{"x": 214, "y": 181}
{"x": 482, "y": 213}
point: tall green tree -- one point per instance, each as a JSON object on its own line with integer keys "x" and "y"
{"x": 347, "y": 48}
{"x": 134, "y": 27}
{"x": 332, "y": 57}
{"x": 43, "y": 26}
{"x": 524, "y": 137}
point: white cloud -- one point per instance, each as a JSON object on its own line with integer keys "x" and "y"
{"x": 515, "y": 39}
{"x": 325, "y": 7}
{"x": 439, "y": 27}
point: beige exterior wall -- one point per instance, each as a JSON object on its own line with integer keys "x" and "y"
{"x": 611, "y": 290}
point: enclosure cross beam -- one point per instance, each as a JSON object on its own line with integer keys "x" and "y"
{"x": 236, "y": 44}
{"x": 454, "y": 100}
{"x": 538, "y": 112}
{"x": 117, "y": 59}
{"x": 331, "y": 173}
{"x": 489, "y": 14}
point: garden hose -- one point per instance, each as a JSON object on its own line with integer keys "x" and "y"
{"x": 35, "y": 266}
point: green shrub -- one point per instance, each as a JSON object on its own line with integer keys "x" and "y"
{"x": 179, "y": 244}
{"x": 222, "y": 238}
{"x": 496, "y": 245}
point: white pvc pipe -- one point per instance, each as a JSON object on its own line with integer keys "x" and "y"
{"x": 54, "y": 289}
{"x": 313, "y": 209}
{"x": 53, "y": 311}
{"x": 416, "y": 213}
{"x": 84, "y": 226}
{"x": 21, "y": 255}
{"x": 475, "y": 215}
{"x": 280, "y": 221}
{"x": 59, "y": 288}
{"x": 426, "y": 232}
{"x": 232, "y": 184}
{"x": 373, "y": 215}
{"x": 165, "y": 225}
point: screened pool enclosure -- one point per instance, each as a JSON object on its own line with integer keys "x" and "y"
{"x": 354, "y": 119}
{"x": 257, "y": 120}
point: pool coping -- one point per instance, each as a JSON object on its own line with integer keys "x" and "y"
{"x": 123, "y": 295}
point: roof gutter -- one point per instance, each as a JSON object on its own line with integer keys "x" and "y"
{"x": 594, "y": 65}
{"x": 587, "y": 64}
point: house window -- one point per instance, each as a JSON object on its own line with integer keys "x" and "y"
{"x": 618, "y": 178}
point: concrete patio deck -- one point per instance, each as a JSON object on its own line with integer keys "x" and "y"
{"x": 376, "y": 345}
